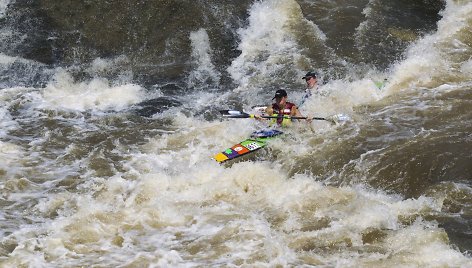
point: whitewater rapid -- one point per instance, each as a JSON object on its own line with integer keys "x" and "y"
{"x": 86, "y": 180}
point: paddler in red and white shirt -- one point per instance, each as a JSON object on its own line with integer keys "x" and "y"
{"x": 283, "y": 109}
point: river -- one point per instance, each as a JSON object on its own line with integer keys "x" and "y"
{"x": 110, "y": 118}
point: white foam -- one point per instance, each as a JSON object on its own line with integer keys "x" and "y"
{"x": 3, "y": 7}
{"x": 12, "y": 160}
{"x": 173, "y": 205}
{"x": 423, "y": 245}
{"x": 466, "y": 67}
{"x": 205, "y": 71}
{"x": 269, "y": 43}
{"x": 98, "y": 94}
{"x": 432, "y": 59}
{"x": 6, "y": 122}
{"x": 340, "y": 97}
{"x": 6, "y": 60}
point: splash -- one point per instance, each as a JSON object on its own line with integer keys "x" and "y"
{"x": 98, "y": 94}
{"x": 205, "y": 72}
{"x": 441, "y": 57}
{"x": 269, "y": 45}
{"x": 157, "y": 213}
{"x": 7, "y": 123}
{"x": 3, "y": 7}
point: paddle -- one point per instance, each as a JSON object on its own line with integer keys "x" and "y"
{"x": 240, "y": 114}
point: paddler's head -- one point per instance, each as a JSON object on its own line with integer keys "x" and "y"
{"x": 280, "y": 97}
{"x": 310, "y": 79}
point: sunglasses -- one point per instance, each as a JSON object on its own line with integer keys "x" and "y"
{"x": 309, "y": 78}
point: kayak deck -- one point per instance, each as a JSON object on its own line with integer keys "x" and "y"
{"x": 257, "y": 141}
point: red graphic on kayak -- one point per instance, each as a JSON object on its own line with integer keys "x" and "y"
{"x": 240, "y": 149}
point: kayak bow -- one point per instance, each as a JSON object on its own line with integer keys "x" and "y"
{"x": 257, "y": 141}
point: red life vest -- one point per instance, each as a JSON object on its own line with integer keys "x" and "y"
{"x": 282, "y": 112}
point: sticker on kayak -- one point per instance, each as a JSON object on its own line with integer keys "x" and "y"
{"x": 252, "y": 144}
{"x": 240, "y": 149}
{"x": 220, "y": 157}
{"x": 230, "y": 153}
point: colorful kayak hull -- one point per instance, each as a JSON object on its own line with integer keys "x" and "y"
{"x": 257, "y": 141}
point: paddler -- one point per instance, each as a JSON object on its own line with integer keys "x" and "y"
{"x": 311, "y": 85}
{"x": 283, "y": 109}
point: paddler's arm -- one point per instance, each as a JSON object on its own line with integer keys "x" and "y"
{"x": 296, "y": 112}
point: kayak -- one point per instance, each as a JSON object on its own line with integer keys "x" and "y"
{"x": 257, "y": 141}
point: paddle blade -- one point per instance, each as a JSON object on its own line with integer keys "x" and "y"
{"x": 234, "y": 114}
{"x": 338, "y": 118}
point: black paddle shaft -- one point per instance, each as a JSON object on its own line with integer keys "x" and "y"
{"x": 239, "y": 114}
